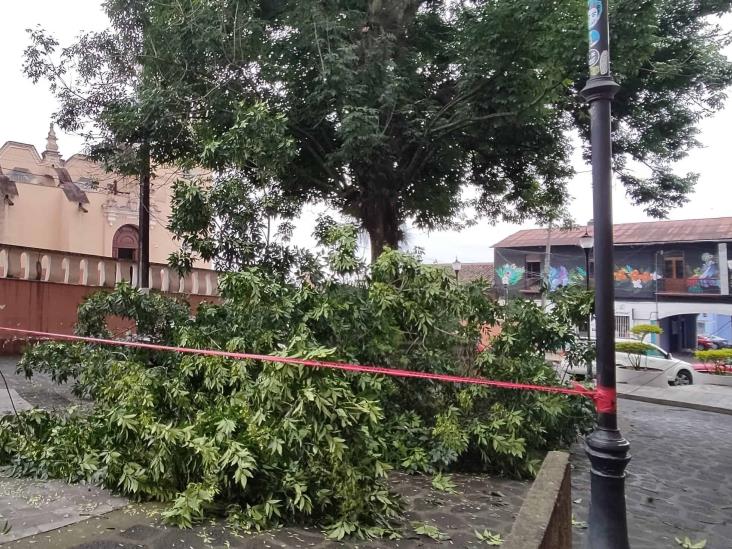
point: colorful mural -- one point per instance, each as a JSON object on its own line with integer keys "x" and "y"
{"x": 706, "y": 276}
{"x": 561, "y": 276}
{"x": 510, "y": 274}
{"x": 629, "y": 277}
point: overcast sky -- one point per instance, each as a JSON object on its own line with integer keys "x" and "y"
{"x": 25, "y": 111}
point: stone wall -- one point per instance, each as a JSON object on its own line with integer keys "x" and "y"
{"x": 22, "y": 263}
{"x": 41, "y": 290}
{"x": 545, "y": 518}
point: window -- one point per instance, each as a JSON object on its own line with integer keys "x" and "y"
{"x": 125, "y": 243}
{"x": 673, "y": 267}
{"x": 533, "y": 271}
{"x": 126, "y": 253}
{"x": 622, "y": 326}
{"x": 655, "y": 353}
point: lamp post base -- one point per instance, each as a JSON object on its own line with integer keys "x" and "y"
{"x": 608, "y": 526}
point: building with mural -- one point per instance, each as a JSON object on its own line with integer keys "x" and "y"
{"x": 674, "y": 273}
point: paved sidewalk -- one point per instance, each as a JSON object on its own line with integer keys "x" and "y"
{"x": 55, "y": 515}
{"x": 480, "y": 503}
{"x": 678, "y": 478}
{"x": 31, "y": 506}
{"x": 39, "y": 390}
{"x": 710, "y": 398}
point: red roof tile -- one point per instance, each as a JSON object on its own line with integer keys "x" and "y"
{"x": 471, "y": 271}
{"x": 626, "y": 234}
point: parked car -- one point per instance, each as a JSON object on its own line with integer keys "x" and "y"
{"x": 719, "y": 342}
{"x": 677, "y": 371}
{"x": 704, "y": 343}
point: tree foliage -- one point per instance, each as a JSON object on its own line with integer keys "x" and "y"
{"x": 269, "y": 443}
{"x": 721, "y": 359}
{"x": 636, "y": 351}
{"x": 644, "y": 330}
{"x": 393, "y": 112}
{"x": 414, "y": 111}
{"x": 105, "y": 92}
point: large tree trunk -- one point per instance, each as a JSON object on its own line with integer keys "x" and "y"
{"x": 381, "y": 219}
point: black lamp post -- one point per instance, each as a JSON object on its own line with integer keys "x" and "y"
{"x": 456, "y": 266}
{"x": 606, "y": 447}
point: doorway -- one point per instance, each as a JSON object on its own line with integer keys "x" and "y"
{"x": 125, "y": 243}
{"x": 674, "y": 278}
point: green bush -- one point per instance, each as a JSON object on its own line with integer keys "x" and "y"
{"x": 266, "y": 443}
{"x": 644, "y": 330}
{"x": 720, "y": 358}
{"x": 636, "y": 350}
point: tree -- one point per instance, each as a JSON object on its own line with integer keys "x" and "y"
{"x": 271, "y": 444}
{"x": 636, "y": 351}
{"x": 420, "y": 111}
{"x": 644, "y": 330}
{"x": 106, "y": 93}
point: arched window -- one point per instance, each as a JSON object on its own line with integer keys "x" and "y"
{"x": 125, "y": 243}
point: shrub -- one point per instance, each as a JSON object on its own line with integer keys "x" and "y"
{"x": 720, "y": 358}
{"x": 644, "y": 330}
{"x": 636, "y": 350}
{"x": 267, "y": 443}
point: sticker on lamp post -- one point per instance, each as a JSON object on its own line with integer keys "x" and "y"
{"x": 604, "y": 63}
{"x": 594, "y": 37}
{"x": 594, "y": 11}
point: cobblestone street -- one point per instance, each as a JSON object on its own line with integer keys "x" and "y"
{"x": 678, "y": 481}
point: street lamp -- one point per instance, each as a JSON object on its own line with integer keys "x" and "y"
{"x": 456, "y": 266}
{"x": 605, "y": 447}
{"x": 586, "y": 241}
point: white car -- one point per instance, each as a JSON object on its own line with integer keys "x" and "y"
{"x": 677, "y": 371}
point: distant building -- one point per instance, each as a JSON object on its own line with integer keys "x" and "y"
{"x": 68, "y": 229}
{"x": 674, "y": 273}
{"x": 470, "y": 271}
{"x": 75, "y": 206}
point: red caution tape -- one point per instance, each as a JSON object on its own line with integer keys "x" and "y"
{"x": 606, "y": 400}
{"x": 577, "y": 390}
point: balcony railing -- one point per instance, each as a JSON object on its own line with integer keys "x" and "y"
{"x": 692, "y": 286}
{"x": 24, "y": 263}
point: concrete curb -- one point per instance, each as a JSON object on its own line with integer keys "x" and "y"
{"x": 675, "y": 403}
{"x": 545, "y": 519}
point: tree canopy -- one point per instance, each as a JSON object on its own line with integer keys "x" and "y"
{"x": 105, "y": 91}
{"x": 268, "y": 444}
{"x": 423, "y": 110}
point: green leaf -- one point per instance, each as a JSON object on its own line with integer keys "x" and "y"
{"x": 424, "y": 529}
{"x": 443, "y": 483}
{"x": 489, "y": 538}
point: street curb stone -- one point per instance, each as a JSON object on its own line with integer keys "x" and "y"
{"x": 676, "y": 403}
